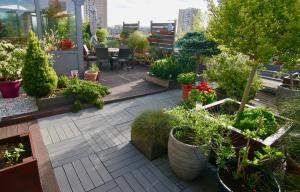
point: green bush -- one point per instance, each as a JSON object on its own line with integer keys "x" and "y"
{"x": 153, "y": 125}
{"x": 138, "y": 41}
{"x": 254, "y": 119}
{"x": 39, "y": 79}
{"x": 102, "y": 35}
{"x": 63, "y": 82}
{"x": 231, "y": 72}
{"x": 85, "y": 92}
{"x": 171, "y": 67}
{"x": 11, "y": 61}
{"x": 186, "y": 78}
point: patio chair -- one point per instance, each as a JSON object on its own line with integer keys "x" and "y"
{"x": 124, "y": 57}
{"x": 88, "y": 56}
{"x": 102, "y": 55}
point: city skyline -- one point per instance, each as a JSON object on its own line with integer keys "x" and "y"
{"x": 147, "y": 10}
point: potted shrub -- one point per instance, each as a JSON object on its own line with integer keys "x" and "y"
{"x": 18, "y": 165}
{"x": 186, "y": 80}
{"x": 92, "y": 73}
{"x": 248, "y": 172}
{"x": 190, "y": 141}
{"x": 66, "y": 44}
{"x": 11, "y": 63}
{"x": 203, "y": 94}
{"x": 150, "y": 132}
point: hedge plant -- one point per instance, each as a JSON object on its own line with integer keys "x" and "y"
{"x": 39, "y": 79}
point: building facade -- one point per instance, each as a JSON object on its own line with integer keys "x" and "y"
{"x": 186, "y": 19}
{"x": 101, "y": 6}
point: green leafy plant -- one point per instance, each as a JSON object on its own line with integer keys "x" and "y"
{"x": 203, "y": 97}
{"x": 39, "y": 79}
{"x": 153, "y": 126}
{"x": 171, "y": 67}
{"x": 196, "y": 44}
{"x": 63, "y": 82}
{"x": 200, "y": 128}
{"x": 85, "y": 92}
{"x": 138, "y": 42}
{"x": 93, "y": 68}
{"x": 230, "y": 72}
{"x": 51, "y": 40}
{"x": 186, "y": 78}
{"x": 252, "y": 118}
{"x": 14, "y": 157}
{"x": 102, "y": 35}
{"x": 11, "y": 61}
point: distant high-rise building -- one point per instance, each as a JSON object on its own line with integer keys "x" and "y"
{"x": 186, "y": 19}
{"x": 101, "y": 6}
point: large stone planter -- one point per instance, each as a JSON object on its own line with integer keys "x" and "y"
{"x": 22, "y": 177}
{"x": 237, "y": 136}
{"x": 168, "y": 84}
{"x": 187, "y": 161}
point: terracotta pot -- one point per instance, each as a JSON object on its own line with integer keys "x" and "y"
{"x": 10, "y": 89}
{"x": 187, "y": 161}
{"x": 23, "y": 176}
{"x": 91, "y": 76}
{"x": 186, "y": 88}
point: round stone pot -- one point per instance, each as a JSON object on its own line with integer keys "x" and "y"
{"x": 10, "y": 89}
{"x": 187, "y": 161}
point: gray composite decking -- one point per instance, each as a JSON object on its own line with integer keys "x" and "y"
{"x": 91, "y": 151}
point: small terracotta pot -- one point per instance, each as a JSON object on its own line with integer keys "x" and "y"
{"x": 186, "y": 88}
{"x": 91, "y": 76}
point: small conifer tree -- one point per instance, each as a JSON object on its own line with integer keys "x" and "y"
{"x": 39, "y": 79}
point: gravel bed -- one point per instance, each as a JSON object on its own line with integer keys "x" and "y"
{"x": 20, "y": 105}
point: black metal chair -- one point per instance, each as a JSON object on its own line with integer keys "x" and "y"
{"x": 102, "y": 55}
{"x": 124, "y": 58}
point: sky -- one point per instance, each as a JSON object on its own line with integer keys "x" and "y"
{"x": 146, "y": 10}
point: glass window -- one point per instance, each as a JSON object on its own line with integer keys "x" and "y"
{"x": 17, "y": 17}
{"x": 58, "y": 18}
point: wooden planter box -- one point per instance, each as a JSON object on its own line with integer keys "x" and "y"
{"x": 168, "y": 84}
{"x": 287, "y": 81}
{"x": 23, "y": 177}
{"x": 237, "y": 135}
{"x": 54, "y": 102}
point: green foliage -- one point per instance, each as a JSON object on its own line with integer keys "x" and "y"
{"x": 203, "y": 97}
{"x": 102, "y": 35}
{"x": 124, "y": 34}
{"x": 196, "y": 44}
{"x": 14, "y": 157}
{"x": 138, "y": 41}
{"x": 93, "y": 68}
{"x": 231, "y": 73}
{"x": 11, "y": 61}
{"x": 113, "y": 44}
{"x": 199, "y": 128}
{"x": 153, "y": 126}
{"x": 171, "y": 67}
{"x": 51, "y": 40}
{"x": 85, "y": 92}
{"x": 198, "y": 22}
{"x": 253, "y": 119}
{"x": 38, "y": 78}
{"x": 186, "y": 78}
{"x": 86, "y": 33}
{"x": 63, "y": 82}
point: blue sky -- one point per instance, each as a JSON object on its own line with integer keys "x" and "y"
{"x": 147, "y": 10}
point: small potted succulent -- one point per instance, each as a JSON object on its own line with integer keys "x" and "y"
{"x": 11, "y": 64}
{"x": 186, "y": 80}
{"x": 92, "y": 73}
{"x": 66, "y": 44}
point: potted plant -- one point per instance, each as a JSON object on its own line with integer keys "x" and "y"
{"x": 203, "y": 94}
{"x": 247, "y": 172}
{"x": 18, "y": 165}
{"x": 92, "y": 74}
{"x": 11, "y": 63}
{"x": 186, "y": 80}
{"x": 150, "y": 132}
{"x": 66, "y": 44}
{"x": 194, "y": 135}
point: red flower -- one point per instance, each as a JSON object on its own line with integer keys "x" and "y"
{"x": 66, "y": 44}
{"x": 203, "y": 87}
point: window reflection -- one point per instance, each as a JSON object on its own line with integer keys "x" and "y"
{"x": 58, "y": 23}
{"x": 17, "y": 17}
